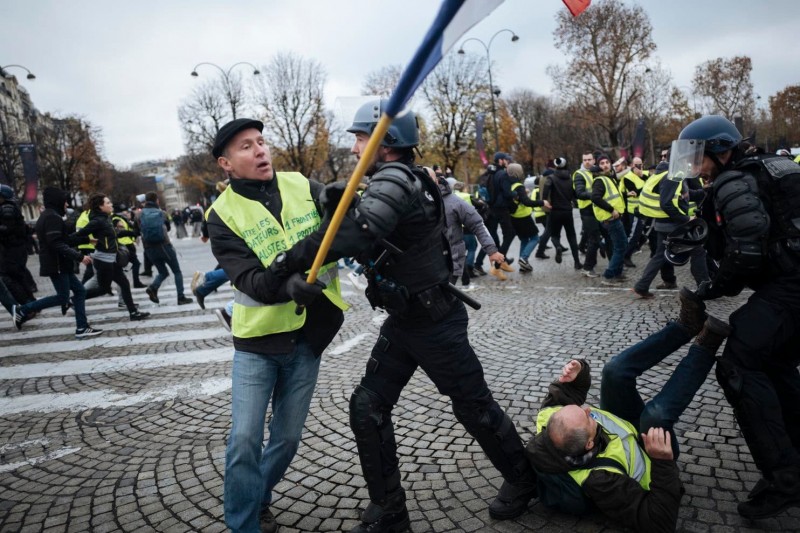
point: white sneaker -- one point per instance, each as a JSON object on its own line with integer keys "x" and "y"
{"x": 88, "y": 331}
{"x": 198, "y": 279}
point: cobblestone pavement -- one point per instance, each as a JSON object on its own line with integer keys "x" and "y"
{"x": 126, "y": 431}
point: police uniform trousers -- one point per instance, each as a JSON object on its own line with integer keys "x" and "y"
{"x": 443, "y": 351}
{"x": 758, "y": 372}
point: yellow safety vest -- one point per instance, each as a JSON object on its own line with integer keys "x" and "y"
{"x": 589, "y": 180}
{"x": 633, "y": 202}
{"x": 537, "y": 211}
{"x": 612, "y": 196}
{"x": 623, "y": 446}
{"x": 464, "y": 196}
{"x": 650, "y": 201}
{"x": 254, "y": 224}
{"x": 522, "y": 210}
{"x": 797, "y": 159}
{"x": 80, "y": 223}
{"x": 127, "y": 227}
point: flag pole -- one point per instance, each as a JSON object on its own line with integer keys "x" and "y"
{"x": 352, "y": 184}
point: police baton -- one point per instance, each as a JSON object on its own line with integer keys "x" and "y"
{"x": 467, "y": 299}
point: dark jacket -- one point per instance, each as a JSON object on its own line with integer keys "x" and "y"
{"x": 101, "y": 228}
{"x": 56, "y": 254}
{"x": 502, "y": 197}
{"x": 558, "y": 190}
{"x": 249, "y": 275}
{"x": 13, "y": 231}
{"x": 618, "y": 496}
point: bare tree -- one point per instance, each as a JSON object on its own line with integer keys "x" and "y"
{"x": 289, "y": 94}
{"x": 382, "y": 82}
{"x": 725, "y": 86}
{"x": 600, "y": 80}
{"x": 530, "y": 113}
{"x": 455, "y": 92}
{"x": 784, "y": 107}
{"x": 68, "y": 153}
{"x": 654, "y": 102}
{"x": 209, "y": 107}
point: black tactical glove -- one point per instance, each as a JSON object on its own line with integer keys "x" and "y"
{"x": 708, "y": 291}
{"x": 302, "y": 292}
{"x": 331, "y": 195}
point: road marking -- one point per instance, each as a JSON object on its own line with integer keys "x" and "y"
{"x": 348, "y": 344}
{"x": 55, "y": 454}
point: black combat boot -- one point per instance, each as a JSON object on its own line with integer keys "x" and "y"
{"x": 387, "y": 516}
{"x": 782, "y": 492}
{"x": 693, "y": 311}
{"x": 712, "y": 334}
{"x": 512, "y": 499}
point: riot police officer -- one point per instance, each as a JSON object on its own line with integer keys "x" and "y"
{"x": 754, "y": 222}
{"x": 396, "y": 231}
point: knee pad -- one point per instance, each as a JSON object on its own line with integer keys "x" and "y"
{"x": 366, "y": 410}
{"x": 481, "y": 414}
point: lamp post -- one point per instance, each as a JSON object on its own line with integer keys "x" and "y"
{"x": 30, "y": 75}
{"x": 492, "y": 91}
{"x": 226, "y": 76}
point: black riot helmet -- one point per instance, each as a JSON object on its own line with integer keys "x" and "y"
{"x": 719, "y": 133}
{"x": 402, "y": 133}
{"x": 683, "y": 240}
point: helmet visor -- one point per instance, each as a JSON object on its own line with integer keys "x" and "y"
{"x": 685, "y": 159}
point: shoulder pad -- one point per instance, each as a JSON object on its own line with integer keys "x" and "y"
{"x": 397, "y": 173}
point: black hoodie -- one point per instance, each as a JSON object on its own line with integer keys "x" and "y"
{"x": 558, "y": 190}
{"x": 55, "y": 254}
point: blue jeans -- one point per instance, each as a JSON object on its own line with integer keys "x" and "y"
{"x": 161, "y": 256}
{"x": 63, "y": 283}
{"x": 250, "y": 472}
{"x": 213, "y": 279}
{"x": 471, "y": 241}
{"x": 618, "y": 242}
{"x": 618, "y": 392}
{"x": 527, "y": 245}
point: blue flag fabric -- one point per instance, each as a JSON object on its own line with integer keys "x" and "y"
{"x": 454, "y": 19}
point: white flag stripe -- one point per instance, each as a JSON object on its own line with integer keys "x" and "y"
{"x": 105, "y": 398}
{"x": 115, "y": 364}
{"x": 469, "y": 14}
{"x": 29, "y": 333}
{"x": 114, "y": 342}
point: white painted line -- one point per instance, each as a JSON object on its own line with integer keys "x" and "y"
{"x": 348, "y": 344}
{"x": 56, "y": 454}
{"x": 114, "y": 342}
{"x": 38, "y": 333}
{"x": 115, "y": 364}
{"x": 24, "y": 444}
{"x": 106, "y": 398}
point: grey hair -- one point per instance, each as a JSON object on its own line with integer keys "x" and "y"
{"x": 568, "y": 440}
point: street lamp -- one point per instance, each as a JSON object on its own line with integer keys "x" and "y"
{"x": 30, "y": 75}
{"x": 226, "y": 76}
{"x": 492, "y": 91}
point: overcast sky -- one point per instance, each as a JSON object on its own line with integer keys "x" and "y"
{"x": 125, "y": 66}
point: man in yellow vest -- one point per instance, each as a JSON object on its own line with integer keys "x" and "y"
{"x": 609, "y": 205}
{"x": 277, "y": 352}
{"x": 396, "y": 232}
{"x": 582, "y": 180}
{"x": 634, "y": 182}
{"x": 598, "y": 452}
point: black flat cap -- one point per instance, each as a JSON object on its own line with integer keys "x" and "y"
{"x": 229, "y": 130}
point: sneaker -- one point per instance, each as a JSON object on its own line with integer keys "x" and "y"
{"x": 542, "y": 256}
{"x": 139, "y": 315}
{"x": 478, "y": 270}
{"x": 224, "y": 318}
{"x": 122, "y": 305}
{"x": 524, "y": 266}
{"x": 19, "y": 316}
{"x": 86, "y": 332}
{"x": 628, "y": 263}
{"x": 644, "y": 295}
{"x": 198, "y": 278}
{"x": 610, "y": 282}
{"x": 512, "y": 500}
{"x": 201, "y": 300}
{"x": 183, "y": 300}
{"x": 589, "y": 273}
{"x": 152, "y": 293}
{"x": 510, "y": 261}
{"x": 558, "y": 255}
{"x": 668, "y": 286}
